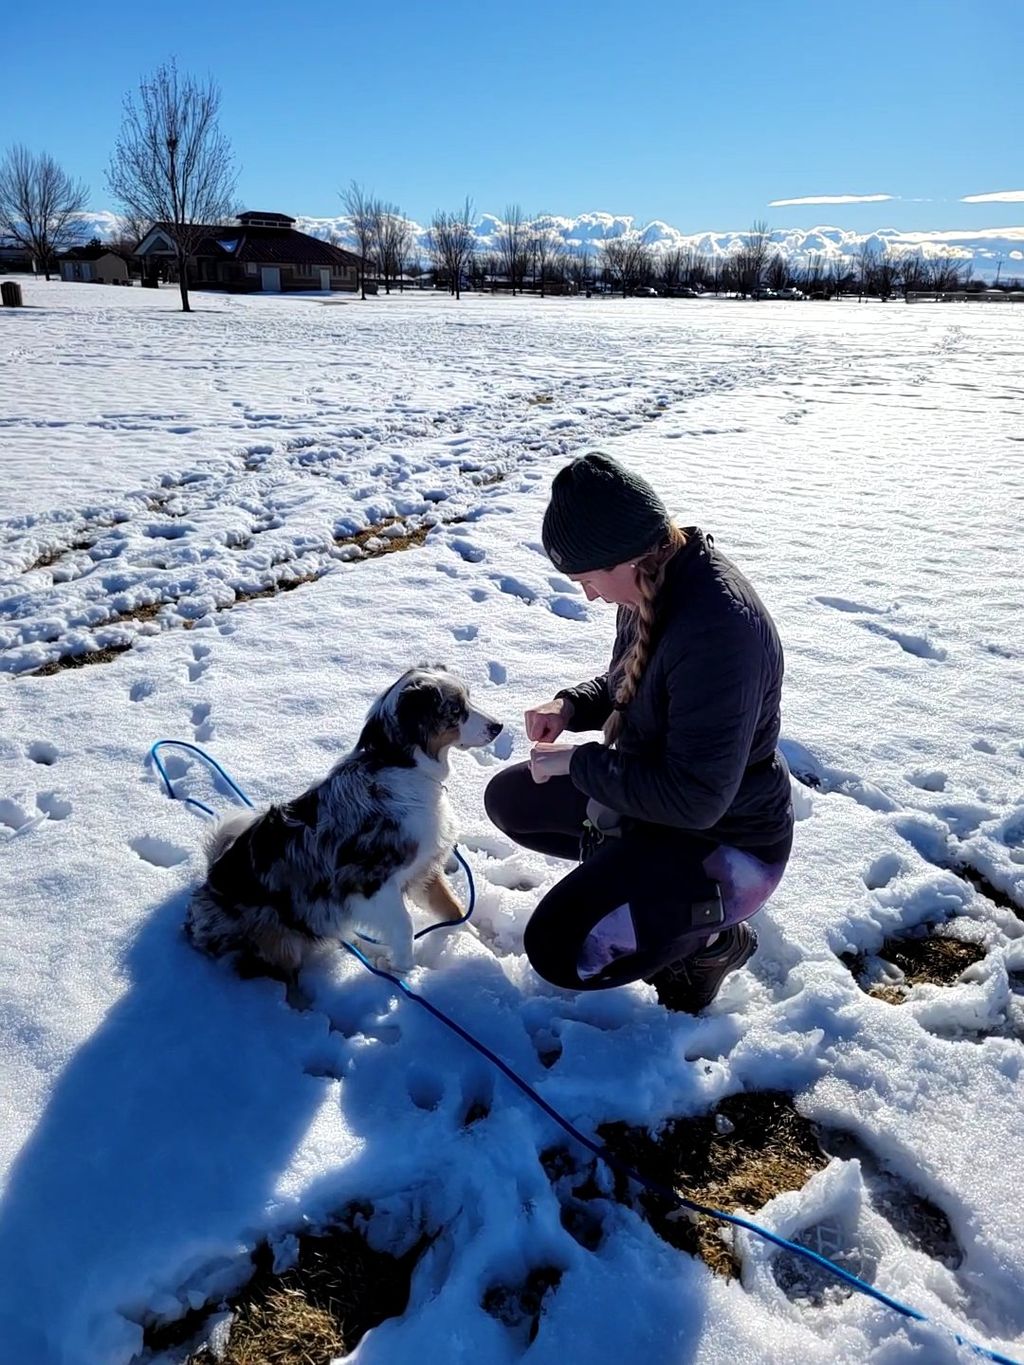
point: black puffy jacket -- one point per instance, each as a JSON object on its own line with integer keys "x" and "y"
{"x": 697, "y": 746}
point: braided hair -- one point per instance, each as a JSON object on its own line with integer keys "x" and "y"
{"x": 650, "y": 571}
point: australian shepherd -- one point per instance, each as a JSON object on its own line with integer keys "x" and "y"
{"x": 342, "y": 856}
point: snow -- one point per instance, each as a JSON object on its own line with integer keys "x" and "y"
{"x": 863, "y": 464}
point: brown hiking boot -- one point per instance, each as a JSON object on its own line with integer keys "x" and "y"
{"x": 690, "y": 984}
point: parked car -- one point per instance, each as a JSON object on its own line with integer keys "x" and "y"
{"x": 645, "y": 291}
{"x": 684, "y": 291}
{"x": 763, "y": 292}
{"x": 790, "y": 292}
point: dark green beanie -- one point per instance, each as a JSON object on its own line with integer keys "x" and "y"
{"x": 600, "y": 514}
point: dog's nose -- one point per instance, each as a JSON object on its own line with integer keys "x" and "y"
{"x": 494, "y": 729}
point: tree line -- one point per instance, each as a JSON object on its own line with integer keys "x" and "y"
{"x": 172, "y": 164}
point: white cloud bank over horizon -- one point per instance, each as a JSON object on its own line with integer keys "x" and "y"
{"x": 588, "y": 232}
{"x": 831, "y": 199}
{"x": 996, "y": 197}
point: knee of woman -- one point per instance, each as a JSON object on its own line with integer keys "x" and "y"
{"x": 544, "y": 955}
{"x": 497, "y": 803}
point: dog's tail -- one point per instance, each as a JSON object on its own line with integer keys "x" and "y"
{"x": 227, "y": 832}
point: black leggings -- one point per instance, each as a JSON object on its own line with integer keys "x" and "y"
{"x": 628, "y": 909}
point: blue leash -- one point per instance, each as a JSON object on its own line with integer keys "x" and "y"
{"x": 600, "y": 1151}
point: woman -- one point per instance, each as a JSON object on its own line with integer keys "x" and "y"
{"x": 682, "y": 818}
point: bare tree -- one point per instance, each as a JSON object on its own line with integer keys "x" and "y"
{"x": 450, "y": 242}
{"x": 490, "y": 269}
{"x": 581, "y": 268}
{"x": 362, "y": 211}
{"x": 670, "y": 269}
{"x": 777, "y": 272}
{"x": 546, "y": 249}
{"x": 391, "y": 240}
{"x": 813, "y": 272}
{"x": 126, "y": 232}
{"x": 628, "y": 259}
{"x": 913, "y": 271}
{"x": 172, "y": 165}
{"x": 512, "y": 245}
{"x": 39, "y": 205}
{"x": 749, "y": 262}
{"x": 948, "y": 272}
{"x": 887, "y": 269}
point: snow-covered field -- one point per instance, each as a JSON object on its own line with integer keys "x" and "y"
{"x": 865, "y": 466}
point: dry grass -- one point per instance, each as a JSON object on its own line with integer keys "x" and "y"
{"x": 767, "y": 1148}
{"x": 366, "y": 540}
{"x": 371, "y": 543}
{"x": 319, "y": 1309}
{"x": 272, "y": 589}
{"x": 932, "y": 958}
{"x": 284, "y": 1329}
{"x": 145, "y": 613}
{"x": 92, "y": 656}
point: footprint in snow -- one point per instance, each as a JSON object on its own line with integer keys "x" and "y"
{"x": 199, "y": 663}
{"x": 17, "y": 820}
{"x": 42, "y": 751}
{"x": 141, "y": 690}
{"x": 465, "y": 632}
{"x": 471, "y": 553}
{"x": 569, "y": 608}
{"x": 497, "y": 672}
{"x": 202, "y": 726}
{"x": 918, "y": 645}
{"x": 12, "y": 816}
{"x": 515, "y": 587}
{"x": 847, "y": 604}
{"x": 159, "y": 852}
{"x": 54, "y": 807}
{"x": 928, "y": 779}
{"x": 883, "y": 871}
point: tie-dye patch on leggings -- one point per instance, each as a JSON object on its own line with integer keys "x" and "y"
{"x": 746, "y": 883}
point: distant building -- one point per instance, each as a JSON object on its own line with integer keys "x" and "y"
{"x": 259, "y": 252}
{"x": 14, "y": 257}
{"x": 95, "y": 264}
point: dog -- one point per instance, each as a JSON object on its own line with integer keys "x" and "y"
{"x": 342, "y": 856}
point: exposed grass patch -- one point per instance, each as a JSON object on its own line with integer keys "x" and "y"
{"x": 751, "y": 1148}
{"x": 145, "y": 613}
{"x": 307, "y": 1315}
{"x": 92, "y": 656}
{"x": 932, "y": 958}
{"x": 50, "y": 557}
{"x": 47, "y": 558}
{"x": 373, "y": 541}
{"x": 272, "y": 589}
{"x": 519, "y": 1306}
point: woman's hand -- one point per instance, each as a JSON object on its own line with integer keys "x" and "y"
{"x": 546, "y": 722}
{"x": 550, "y": 760}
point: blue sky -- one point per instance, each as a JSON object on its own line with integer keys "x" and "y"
{"x": 701, "y": 115}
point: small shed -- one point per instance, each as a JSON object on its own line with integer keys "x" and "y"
{"x": 94, "y": 264}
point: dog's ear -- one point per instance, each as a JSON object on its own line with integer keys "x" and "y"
{"x": 418, "y": 712}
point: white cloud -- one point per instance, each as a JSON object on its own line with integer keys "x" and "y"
{"x": 832, "y": 199}
{"x": 998, "y": 197}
